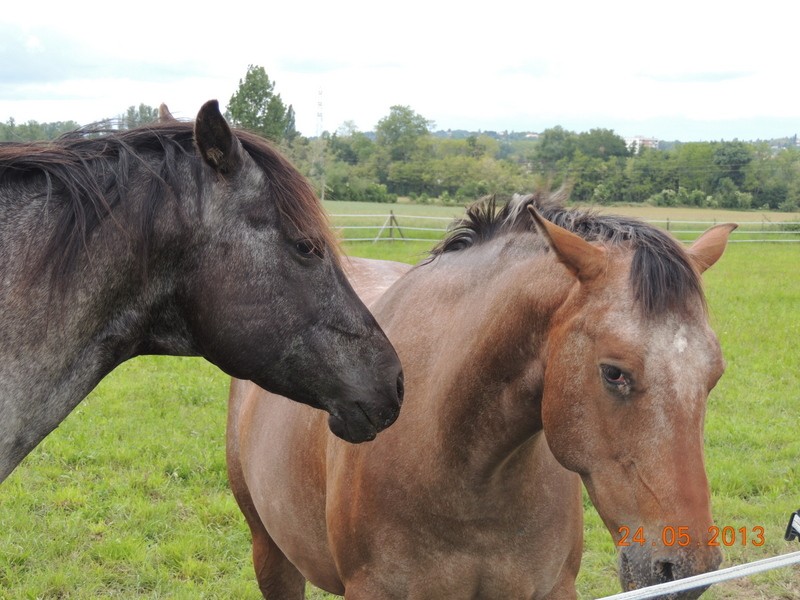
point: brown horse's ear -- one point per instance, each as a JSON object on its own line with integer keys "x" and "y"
{"x": 583, "y": 259}
{"x": 217, "y": 144}
{"x": 164, "y": 116}
{"x": 707, "y": 249}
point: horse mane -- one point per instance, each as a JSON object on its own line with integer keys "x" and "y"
{"x": 661, "y": 275}
{"x": 89, "y": 172}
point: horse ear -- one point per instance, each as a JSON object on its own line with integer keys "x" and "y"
{"x": 217, "y": 144}
{"x": 164, "y": 116}
{"x": 707, "y": 249}
{"x": 584, "y": 260}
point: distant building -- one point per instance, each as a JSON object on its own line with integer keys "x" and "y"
{"x": 636, "y": 143}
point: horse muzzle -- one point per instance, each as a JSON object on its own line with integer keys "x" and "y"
{"x": 361, "y": 421}
{"x": 640, "y": 567}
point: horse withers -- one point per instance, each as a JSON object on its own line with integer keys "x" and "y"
{"x": 177, "y": 239}
{"x": 539, "y": 350}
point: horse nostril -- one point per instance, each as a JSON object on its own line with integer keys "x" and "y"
{"x": 400, "y": 388}
{"x": 664, "y": 571}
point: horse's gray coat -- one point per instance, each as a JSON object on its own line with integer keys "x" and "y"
{"x": 138, "y": 243}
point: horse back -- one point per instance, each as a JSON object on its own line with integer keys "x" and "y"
{"x": 371, "y": 278}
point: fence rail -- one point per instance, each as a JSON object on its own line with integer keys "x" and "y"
{"x": 707, "y": 579}
{"x": 391, "y": 226}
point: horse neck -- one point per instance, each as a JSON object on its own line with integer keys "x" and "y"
{"x": 59, "y": 343}
{"x": 476, "y": 367}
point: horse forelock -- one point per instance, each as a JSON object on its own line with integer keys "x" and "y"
{"x": 89, "y": 171}
{"x": 661, "y": 275}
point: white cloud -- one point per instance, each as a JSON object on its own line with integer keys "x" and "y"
{"x": 711, "y": 68}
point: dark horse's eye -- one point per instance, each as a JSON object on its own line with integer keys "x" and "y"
{"x": 307, "y": 248}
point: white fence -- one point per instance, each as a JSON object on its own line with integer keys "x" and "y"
{"x": 417, "y": 228}
{"x": 387, "y": 227}
{"x": 707, "y": 579}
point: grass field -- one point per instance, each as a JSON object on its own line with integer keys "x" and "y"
{"x": 128, "y": 498}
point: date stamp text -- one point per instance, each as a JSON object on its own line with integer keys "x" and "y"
{"x": 680, "y": 536}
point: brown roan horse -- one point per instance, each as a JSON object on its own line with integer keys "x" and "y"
{"x": 542, "y": 346}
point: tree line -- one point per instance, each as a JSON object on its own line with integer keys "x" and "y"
{"x": 404, "y": 156}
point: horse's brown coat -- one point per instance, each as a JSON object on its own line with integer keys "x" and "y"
{"x": 509, "y": 365}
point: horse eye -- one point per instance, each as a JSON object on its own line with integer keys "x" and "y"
{"x": 307, "y": 248}
{"x": 613, "y": 375}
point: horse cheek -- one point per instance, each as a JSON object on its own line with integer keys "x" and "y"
{"x": 567, "y": 404}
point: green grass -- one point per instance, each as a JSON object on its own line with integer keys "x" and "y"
{"x": 128, "y": 497}
{"x": 753, "y": 451}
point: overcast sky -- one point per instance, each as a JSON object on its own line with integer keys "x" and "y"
{"x": 688, "y": 70}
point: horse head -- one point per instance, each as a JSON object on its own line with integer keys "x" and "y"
{"x": 264, "y": 294}
{"x": 630, "y": 362}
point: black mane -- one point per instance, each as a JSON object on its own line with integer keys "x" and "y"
{"x": 86, "y": 173}
{"x": 661, "y": 275}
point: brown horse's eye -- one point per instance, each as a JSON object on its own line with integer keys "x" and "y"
{"x": 615, "y": 377}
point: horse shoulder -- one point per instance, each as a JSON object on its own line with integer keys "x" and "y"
{"x": 287, "y": 493}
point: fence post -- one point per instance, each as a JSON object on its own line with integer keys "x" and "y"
{"x": 390, "y": 222}
{"x": 393, "y": 220}
{"x": 380, "y": 231}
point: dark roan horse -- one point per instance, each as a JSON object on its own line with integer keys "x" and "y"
{"x": 539, "y": 350}
{"x": 192, "y": 240}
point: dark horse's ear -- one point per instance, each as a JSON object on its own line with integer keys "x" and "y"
{"x": 584, "y": 260}
{"x": 217, "y": 144}
{"x": 164, "y": 116}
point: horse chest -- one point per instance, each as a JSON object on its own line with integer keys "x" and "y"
{"x": 500, "y": 573}
{"x": 464, "y": 545}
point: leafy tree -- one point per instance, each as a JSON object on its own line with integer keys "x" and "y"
{"x": 666, "y": 197}
{"x": 585, "y": 173}
{"x": 11, "y": 131}
{"x": 727, "y": 195}
{"x": 786, "y": 172}
{"x": 649, "y": 172}
{"x": 342, "y": 149}
{"x": 731, "y": 158}
{"x": 401, "y": 131}
{"x": 350, "y": 145}
{"x": 694, "y": 166}
{"x": 256, "y": 106}
{"x": 290, "y": 125}
{"x": 682, "y": 197}
{"x": 135, "y": 117}
{"x": 601, "y": 143}
{"x": 555, "y": 144}
{"x": 345, "y": 183}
